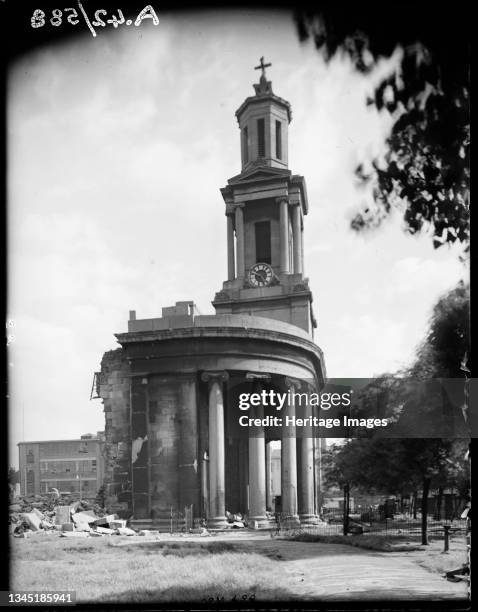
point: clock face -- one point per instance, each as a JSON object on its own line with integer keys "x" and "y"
{"x": 260, "y": 275}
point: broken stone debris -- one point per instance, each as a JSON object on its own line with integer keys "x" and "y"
{"x": 117, "y": 524}
{"x": 126, "y": 531}
{"x": 67, "y": 527}
{"x": 235, "y": 521}
{"x": 60, "y": 515}
{"x": 104, "y": 531}
{"x": 105, "y": 520}
{"x": 32, "y": 520}
{"x": 84, "y": 517}
{"x": 75, "y": 534}
{"x": 151, "y": 532}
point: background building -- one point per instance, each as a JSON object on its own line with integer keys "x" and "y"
{"x": 71, "y": 466}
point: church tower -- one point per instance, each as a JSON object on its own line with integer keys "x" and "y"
{"x": 175, "y": 442}
{"x": 265, "y": 209}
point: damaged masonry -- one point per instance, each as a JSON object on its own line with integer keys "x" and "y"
{"x": 170, "y": 393}
{"x": 55, "y": 514}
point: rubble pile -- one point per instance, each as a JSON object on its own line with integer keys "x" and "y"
{"x": 235, "y": 521}
{"x": 62, "y": 516}
{"x": 53, "y": 514}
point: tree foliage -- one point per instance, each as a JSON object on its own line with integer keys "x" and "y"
{"x": 397, "y": 466}
{"x": 445, "y": 348}
{"x": 404, "y": 465}
{"x": 425, "y": 169}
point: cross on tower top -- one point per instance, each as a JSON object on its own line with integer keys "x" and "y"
{"x": 262, "y": 66}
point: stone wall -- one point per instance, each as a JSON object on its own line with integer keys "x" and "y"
{"x": 114, "y": 389}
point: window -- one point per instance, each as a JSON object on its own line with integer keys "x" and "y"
{"x": 245, "y": 148}
{"x": 30, "y": 457}
{"x": 30, "y": 483}
{"x": 263, "y": 242}
{"x": 261, "y": 138}
{"x": 278, "y": 140}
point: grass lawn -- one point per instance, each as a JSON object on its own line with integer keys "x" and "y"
{"x": 100, "y": 570}
{"x": 122, "y": 569}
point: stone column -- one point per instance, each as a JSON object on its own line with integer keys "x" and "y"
{"x": 140, "y": 452}
{"x": 257, "y": 471}
{"x": 284, "y": 234}
{"x": 257, "y": 459}
{"x": 268, "y": 476}
{"x": 189, "y": 491}
{"x": 231, "y": 264}
{"x": 240, "y": 240}
{"x": 289, "y": 459}
{"x": 204, "y": 485}
{"x": 318, "y": 474}
{"x": 302, "y": 259}
{"x": 306, "y": 488}
{"x": 297, "y": 235}
{"x": 217, "y": 485}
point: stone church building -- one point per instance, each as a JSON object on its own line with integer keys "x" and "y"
{"x": 171, "y": 392}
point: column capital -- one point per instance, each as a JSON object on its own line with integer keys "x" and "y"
{"x": 292, "y": 382}
{"x": 219, "y": 376}
{"x": 294, "y": 203}
{"x": 257, "y": 376}
{"x": 229, "y": 210}
{"x": 239, "y": 205}
{"x": 281, "y": 199}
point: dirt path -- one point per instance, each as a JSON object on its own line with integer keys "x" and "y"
{"x": 323, "y": 572}
{"x": 335, "y": 572}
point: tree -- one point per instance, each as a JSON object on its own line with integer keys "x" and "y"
{"x": 444, "y": 350}
{"x": 417, "y": 398}
{"x": 397, "y": 466}
{"x": 425, "y": 169}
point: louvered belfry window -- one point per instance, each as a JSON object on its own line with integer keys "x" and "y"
{"x": 263, "y": 242}
{"x": 261, "y": 138}
{"x": 245, "y": 148}
{"x": 278, "y": 140}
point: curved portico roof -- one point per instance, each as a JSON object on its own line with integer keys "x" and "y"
{"x": 226, "y": 327}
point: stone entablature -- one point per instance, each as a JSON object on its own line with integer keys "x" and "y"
{"x": 215, "y": 339}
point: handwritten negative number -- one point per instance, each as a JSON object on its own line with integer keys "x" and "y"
{"x": 72, "y": 18}
{"x": 38, "y": 19}
{"x": 98, "y": 22}
{"x": 56, "y": 18}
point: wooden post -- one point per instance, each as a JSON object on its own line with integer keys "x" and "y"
{"x": 447, "y": 538}
{"x": 346, "y": 507}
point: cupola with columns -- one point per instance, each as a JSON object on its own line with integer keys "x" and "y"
{"x": 265, "y": 209}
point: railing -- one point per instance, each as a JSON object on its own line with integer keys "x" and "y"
{"x": 332, "y": 524}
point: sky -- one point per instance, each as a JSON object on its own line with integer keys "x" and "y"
{"x": 117, "y": 148}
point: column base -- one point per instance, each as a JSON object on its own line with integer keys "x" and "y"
{"x": 259, "y": 522}
{"x": 218, "y": 522}
{"x": 291, "y": 522}
{"x": 309, "y": 519}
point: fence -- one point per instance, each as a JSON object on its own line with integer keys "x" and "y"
{"x": 180, "y": 521}
{"x": 334, "y": 525}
